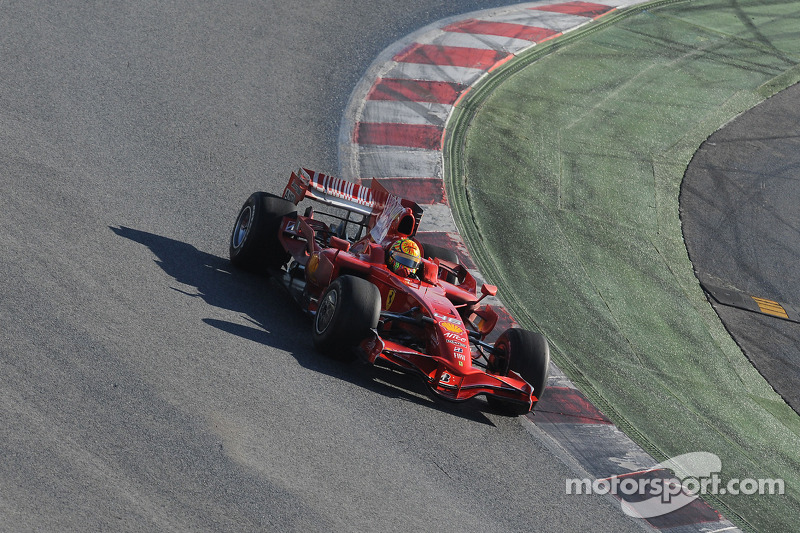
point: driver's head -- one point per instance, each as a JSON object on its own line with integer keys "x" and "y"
{"x": 404, "y": 257}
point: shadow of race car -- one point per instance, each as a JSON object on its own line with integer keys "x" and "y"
{"x": 374, "y": 290}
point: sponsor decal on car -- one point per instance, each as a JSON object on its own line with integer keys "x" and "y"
{"x": 445, "y": 318}
{"x": 455, "y": 342}
{"x": 390, "y": 298}
{"x": 452, "y": 328}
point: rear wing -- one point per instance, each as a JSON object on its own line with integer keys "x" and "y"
{"x": 375, "y": 203}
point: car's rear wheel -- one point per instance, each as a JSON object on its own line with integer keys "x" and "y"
{"x": 526, "y": 353}
{"x": 348, "y": 309}
{"x": 254, "y": 243}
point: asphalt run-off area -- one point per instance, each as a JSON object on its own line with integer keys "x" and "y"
{"x": 564, "y": 171}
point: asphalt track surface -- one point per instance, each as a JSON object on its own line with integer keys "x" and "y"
{"x": 740, "y": 213}
{"x": 146, "y": 386}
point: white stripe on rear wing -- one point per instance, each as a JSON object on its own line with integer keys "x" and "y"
{"x": 330, "y": 190}
{"x": 353, "y": 197}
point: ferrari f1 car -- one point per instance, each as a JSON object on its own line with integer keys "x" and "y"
{"x": 374, "y": 289}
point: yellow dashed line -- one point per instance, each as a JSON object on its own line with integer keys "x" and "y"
{"x": 769, "y": 307}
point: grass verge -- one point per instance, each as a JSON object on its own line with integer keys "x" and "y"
{"x": 564, "y": 170}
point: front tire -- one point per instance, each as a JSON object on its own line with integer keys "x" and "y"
{"x": 348, "y": 309}
{"x": 254, "y": 243}
{"x": 526, "y": 353}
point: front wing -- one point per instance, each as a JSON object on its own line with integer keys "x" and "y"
{"x": 446, "y": 380}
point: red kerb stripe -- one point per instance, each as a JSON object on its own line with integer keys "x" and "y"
{"x": 437, "y": 92}
{"x": 455, "y": 56}
{"x": 582, "y": 9}
{"x": 390, "y": 134}
{"x": 420, "y": 190}
{"x": 566, "y": 405}
{"x": 502, "y": 29}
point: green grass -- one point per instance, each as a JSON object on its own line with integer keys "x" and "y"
{"x": 564, "y": 171}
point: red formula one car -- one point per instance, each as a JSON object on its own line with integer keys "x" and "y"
{"x": 373, "y": 288}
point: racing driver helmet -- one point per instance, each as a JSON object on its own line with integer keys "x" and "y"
{"x": 404, "y": 257}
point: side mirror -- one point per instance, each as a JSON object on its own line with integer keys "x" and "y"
{"x": 430, "y": 271}
{"x": 488, "y": 290}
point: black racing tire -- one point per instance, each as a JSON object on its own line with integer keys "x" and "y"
{"x": 430, "y": 251}
{"x": 526, "y": 353}
{"x": 254, "y": 243}
{"x": 348, "y": 309}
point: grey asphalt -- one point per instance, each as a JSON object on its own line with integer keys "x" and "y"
{"x": 740, "y": 209}
{"x": 144, "y": 386}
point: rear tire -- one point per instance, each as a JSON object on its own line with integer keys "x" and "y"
{"x": 254, "y": 244}
{"x": 526, "y": 353}
{"x": 348, "y": 309}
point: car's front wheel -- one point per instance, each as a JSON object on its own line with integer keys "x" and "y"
{"x": 526, "y": 353}
{"x": 348, "y": 309}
